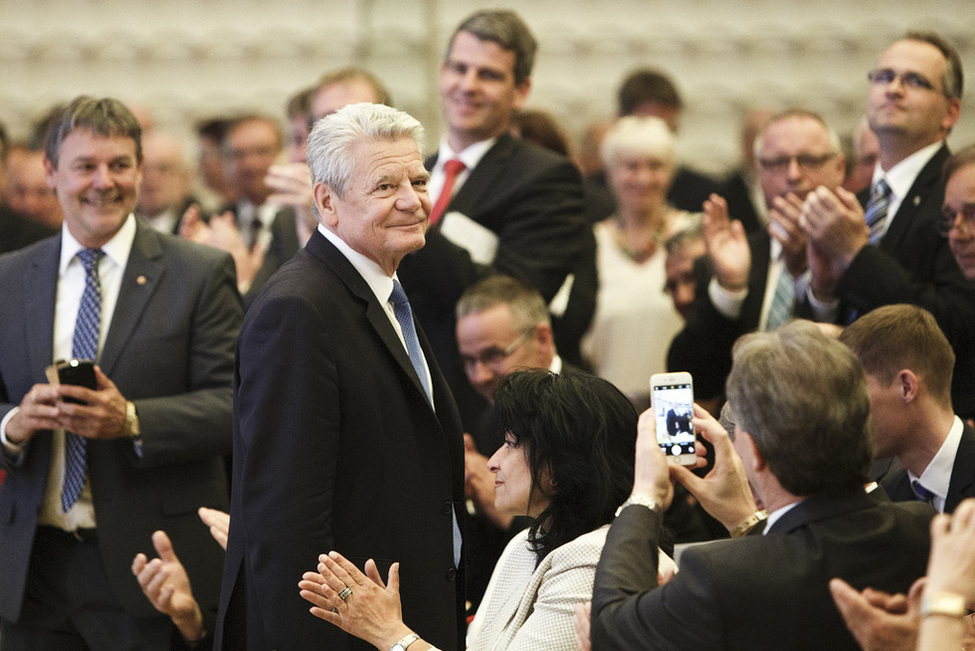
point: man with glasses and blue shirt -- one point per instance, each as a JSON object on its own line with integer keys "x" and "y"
{"x": 883, "y": 246}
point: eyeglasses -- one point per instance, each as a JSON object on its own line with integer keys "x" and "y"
{"x": 494, "y": 356}
{"x": 886, "y": 76}
{"x": 949, "y": 221}
{"x": 808, "y": 162}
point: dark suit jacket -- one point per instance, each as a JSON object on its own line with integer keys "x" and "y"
{"x": 17, "y": 231}
{"x": 703, "y": 346}
{"x": 170, "y": 351}
{"x": 962, "y": 482}
{"x": 913, "y": 264}
{"x": 284, "y": 244}
{"x": 757, "y": 592}
{"x": 335, "y": 447}
{"x": 532, "y": 199}
{"x": 736, "y": 192}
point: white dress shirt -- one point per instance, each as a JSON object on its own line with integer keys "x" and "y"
{"x": 70, "y": 287}
{"x": 937, "y": 476}
{"x": 471, "y": 156}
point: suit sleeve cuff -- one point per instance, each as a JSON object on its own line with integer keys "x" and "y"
{"x": 12, "y": 450}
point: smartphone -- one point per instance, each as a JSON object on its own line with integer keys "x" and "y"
{"x": 672, "y": 401}
{"x": 80, "y": 372}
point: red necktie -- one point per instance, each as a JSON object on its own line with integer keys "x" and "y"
{"x": 451, "y": 168}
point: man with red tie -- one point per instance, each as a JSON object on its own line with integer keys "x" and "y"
{"x": 500, "y": 204}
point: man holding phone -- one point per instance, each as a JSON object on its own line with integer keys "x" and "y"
{"x": 802, "y": 441}
{"x": 90, "y": 481}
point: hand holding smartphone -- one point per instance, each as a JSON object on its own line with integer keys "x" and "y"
{"x": 672, "y": 401}
{"x": 80, "y": 372}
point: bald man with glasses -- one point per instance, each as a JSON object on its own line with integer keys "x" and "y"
{"x": 884, "y": 246}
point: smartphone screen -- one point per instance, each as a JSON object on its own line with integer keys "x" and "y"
{"x": 673, "y": 405}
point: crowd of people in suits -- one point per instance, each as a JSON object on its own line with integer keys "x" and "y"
{"x": 292, "y": 350}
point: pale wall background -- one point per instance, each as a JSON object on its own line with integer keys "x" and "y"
{"x": 189, "y": 59}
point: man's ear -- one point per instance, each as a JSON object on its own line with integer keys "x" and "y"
{"x": 908, "y": 385}
{"x": 49, "y": 171}
{"x": 756, "y": 459}
{"x": 521, "y": 93}
{"x": 325, "y": 203}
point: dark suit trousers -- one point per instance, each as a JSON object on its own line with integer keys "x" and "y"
{"x": 69, "y": 604}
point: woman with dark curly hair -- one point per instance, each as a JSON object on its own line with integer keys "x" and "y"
{"x": 567, "y": 462}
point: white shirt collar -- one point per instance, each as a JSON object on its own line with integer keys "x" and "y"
{"x": 776, "y": 515}
{"x": 937, "y": 476}
{"x": 380, "y": 284}
{"x": 470, "y": 156}
{"x": 116, "y": 249}
{"x": 901, "y": 176}
{"x": 556, "y": 365}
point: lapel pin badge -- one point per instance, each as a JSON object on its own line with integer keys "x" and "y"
{"x": 141, "y": 280}
{"x": 917, "y": 200}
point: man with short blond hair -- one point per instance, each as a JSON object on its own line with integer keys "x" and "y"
{"x": 908, "y": 362}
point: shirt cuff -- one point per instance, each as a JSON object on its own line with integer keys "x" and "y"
{"x": 823, "y": 311}
{"x": 727, "y": 302}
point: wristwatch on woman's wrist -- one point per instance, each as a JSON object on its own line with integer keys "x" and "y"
{"x": 405, "y": 642}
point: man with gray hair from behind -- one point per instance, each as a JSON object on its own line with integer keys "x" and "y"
{"x": 345, "y": 433}
{"x": 802, "y": 441}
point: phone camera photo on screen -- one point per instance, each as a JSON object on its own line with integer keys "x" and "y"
{"x": 673, "y": 406}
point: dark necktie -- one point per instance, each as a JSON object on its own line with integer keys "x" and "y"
{"x": 922, "y": 493}
{"x": 83, "y": 346}
{"x": 404, "y": 315}
{"x": 876, "y": 213}
{"x": 451, "y": 168}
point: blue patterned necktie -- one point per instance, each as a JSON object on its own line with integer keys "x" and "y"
{"x": 877, "y": 210}
{"x": 781, "y": 308}
{"x": 404, "y": 315}
{"x": 83, "y": 346}
{"x": 922, "y": 493}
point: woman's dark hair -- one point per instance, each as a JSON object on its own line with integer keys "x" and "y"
{"x": 579, "y": 429}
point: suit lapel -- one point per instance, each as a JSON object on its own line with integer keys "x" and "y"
{"x": 40, "y": 297}
{"x": 143, "y": 273}
{"x": 962, "y": 471}
{"x": 927, "y": 180}
{"x": 319, "y": 246}
{"x": 483, "y": 178}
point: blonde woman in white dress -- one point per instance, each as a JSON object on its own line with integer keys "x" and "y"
{"x": 635, "y": 319}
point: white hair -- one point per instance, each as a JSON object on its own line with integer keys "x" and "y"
{"x": 640, "y": 136}
{"x": 330, "y": 143}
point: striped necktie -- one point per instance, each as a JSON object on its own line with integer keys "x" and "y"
{"x": 83, "y": 346}
{"x": 877, "y": 210}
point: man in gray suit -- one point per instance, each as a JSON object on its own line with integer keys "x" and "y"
{"x": 93, "y": 472}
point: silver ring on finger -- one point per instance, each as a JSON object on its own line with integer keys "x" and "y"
{"x": 346, "y": 591}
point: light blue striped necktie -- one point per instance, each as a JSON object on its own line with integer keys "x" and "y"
{"x": 83, "y": 346}
{"x": 781, "y": 308}
{"x": 877, "y": 207}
